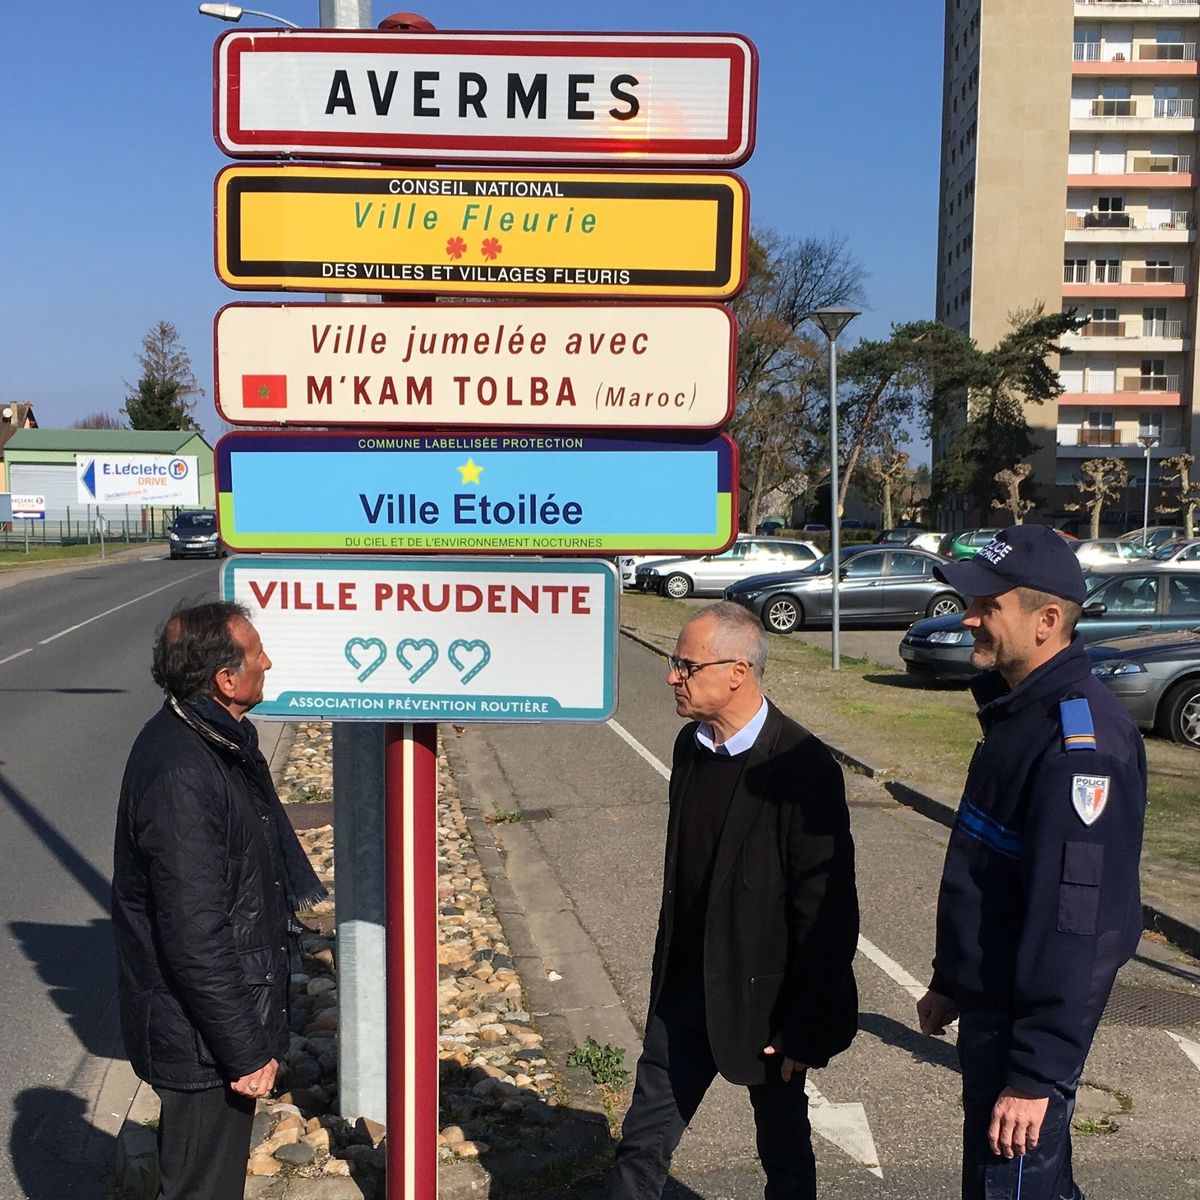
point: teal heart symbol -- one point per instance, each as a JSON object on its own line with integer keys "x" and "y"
{"x": 468, "y": 671}
{"x": 409, "y": 664}
{"x": 364, "y": 663}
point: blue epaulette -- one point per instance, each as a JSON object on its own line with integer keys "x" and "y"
{"x": 1078, "y": 732}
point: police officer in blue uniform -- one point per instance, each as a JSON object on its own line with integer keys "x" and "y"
{"x": 1039, "y": 904}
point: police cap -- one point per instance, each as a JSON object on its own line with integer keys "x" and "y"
{"x": 1032, "y": 556}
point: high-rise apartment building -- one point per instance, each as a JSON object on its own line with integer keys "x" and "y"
{"x": 1069, "y": 177}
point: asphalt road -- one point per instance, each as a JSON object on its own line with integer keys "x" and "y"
{"x": 596, "y": 814}
{"x": 74, "y": 690}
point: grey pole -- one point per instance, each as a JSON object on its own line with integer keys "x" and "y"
{"x": 831, "y": 320}
{"x": 358, "y": 853}
{"x": 835, "y": 515}
{"x": 1149, "y": 441}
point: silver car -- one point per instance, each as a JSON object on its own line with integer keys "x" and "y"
{"x": 1107, "y": 550}
{"x": 1181, "y": 553}
{"x": 711, "y": 574}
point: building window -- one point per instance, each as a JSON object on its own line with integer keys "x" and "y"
{"x": 1150, "y": 424}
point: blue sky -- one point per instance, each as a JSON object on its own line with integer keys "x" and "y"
{"x": 106, "y": 139}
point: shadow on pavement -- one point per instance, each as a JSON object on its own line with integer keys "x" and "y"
{"x": 71, "y": 691}
{"x": 56, "y": 1153}
{"x": 923, "y": 1049}
{"x": 915, "y": 682}
{"x": 77, "y": 965}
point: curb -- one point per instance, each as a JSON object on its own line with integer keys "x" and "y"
{"x": 1178, "y": 927}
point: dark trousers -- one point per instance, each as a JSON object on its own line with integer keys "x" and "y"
{"x": 673, "y": 1073}
{"x": 203, "y": 1144}
{"x": 1044, "y": 1173}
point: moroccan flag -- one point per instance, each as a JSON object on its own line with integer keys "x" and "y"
{"x": 264, "y": 391}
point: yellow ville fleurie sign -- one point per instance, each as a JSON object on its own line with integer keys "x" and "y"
{"x": 481, "y": 233}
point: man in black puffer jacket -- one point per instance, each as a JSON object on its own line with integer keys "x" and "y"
{"x": 206, "y": 875}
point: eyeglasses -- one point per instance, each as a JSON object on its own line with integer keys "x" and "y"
{"x": 685, "y": 668}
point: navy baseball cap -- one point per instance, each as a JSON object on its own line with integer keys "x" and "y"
{"x": 1031, "y": 556}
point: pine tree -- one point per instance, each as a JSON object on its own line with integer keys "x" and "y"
{"x": 162, "y": 399}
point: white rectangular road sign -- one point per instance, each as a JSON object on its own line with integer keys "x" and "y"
{"x": 446, "y": 639}
{"x": 137, "y": 479}
{"x": 600, "y": 366}
{"x": 28, "y": 507}
{"x": 578, "y": 98}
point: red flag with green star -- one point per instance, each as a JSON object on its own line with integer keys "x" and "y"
{"x": 264, "y": 391}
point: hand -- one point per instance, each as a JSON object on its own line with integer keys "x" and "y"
{"x": 935, "y": 1012}
{"x": 791, "y": 1066}
{"x": 257, "y": 1083}
{"x": 1016, "y": 1122}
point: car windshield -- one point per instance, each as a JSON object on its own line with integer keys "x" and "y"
{"x": 198, "y": 522}
{"x": 1169, "y": 550}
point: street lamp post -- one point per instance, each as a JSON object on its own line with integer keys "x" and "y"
{"x": 1149, "y": 441}
{"x": 832, "y": 320}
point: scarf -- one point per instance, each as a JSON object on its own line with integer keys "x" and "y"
{"x": 214, "y": 724}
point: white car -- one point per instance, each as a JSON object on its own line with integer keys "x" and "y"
{"x": 711, "y": 574}
{"x": 1180, "y": 553}
{"x": 630, "y": 563}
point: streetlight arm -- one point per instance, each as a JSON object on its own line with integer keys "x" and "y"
{"x": 234, "y": 12}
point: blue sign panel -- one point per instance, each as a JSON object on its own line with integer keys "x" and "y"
{"x": 505, "y": 493}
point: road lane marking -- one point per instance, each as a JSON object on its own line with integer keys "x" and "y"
{"x": 845, "y": 1125}
{"x": 1190, "y": 1048}
{"x": 891, "y": 968}
{"x": 27, "y": 650}
{"x": 626, "y": 736}
{"x": 109, "y": 611}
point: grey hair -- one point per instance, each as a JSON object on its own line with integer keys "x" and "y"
{"x": 1031, "y": 600}
{"x": 738, "y": 634}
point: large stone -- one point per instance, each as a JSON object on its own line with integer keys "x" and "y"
{"x": 368, "y": 1132}
{"x": 298, "y": 1154}
{"x": 263, "y": 1164}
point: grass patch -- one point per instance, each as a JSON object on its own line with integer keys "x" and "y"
{"x": 503, "y": 816}
{"x": 605, "y": 1064}
{"x": 310, "y": 793}
{"x": 13, "y": 556}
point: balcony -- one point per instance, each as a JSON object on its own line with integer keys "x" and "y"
{"x": 1129, "y": 335}
{"x": 1153, "y": 275}
{"x": 1141, "y": 384}
{"x": 1172, "y": 109}
{"x": 1130, "y": 7}
{"x": 1122, "y": 220}
{"x": 1167, "y": 52}
{"x": 1087, "y": 435}
{"x": 1153, "y": 164}
{"x": 1141, "y": 108}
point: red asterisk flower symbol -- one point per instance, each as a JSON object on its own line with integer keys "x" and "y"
{"x": 456, "y": 247}
{"x": 491, "y": 247}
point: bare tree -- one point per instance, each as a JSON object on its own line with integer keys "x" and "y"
{"x": 99, "y": 420}
{"x": 1101, "y": 482}
{"x": 886, "y": 473}
{"x": 1187, "y": 491}
{"x": 779, "y": 422}
{"x": 1011, "y": 479}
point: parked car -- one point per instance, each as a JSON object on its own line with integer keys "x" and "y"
{"x": 1154, "y": 536}
{"x": 878, "y": 586}
{"x": 1124, "y": 601}
{"x": 629, "y": 564}
{"x": 1182, "y": 553}
{"x": 910, "y": 535}
{"x": 194, "y": 533}
{"x": 965, "y": 544}
{"x": 1157, "y": 678}
{"x": 1107, "y": 550}
{"x": 769, "y": 526}
{"x": 711, "y": 574}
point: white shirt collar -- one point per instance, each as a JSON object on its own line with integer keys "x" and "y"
{"x": 741, "y": 741}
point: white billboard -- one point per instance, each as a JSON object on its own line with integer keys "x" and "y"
{"x": 137, "y": 479}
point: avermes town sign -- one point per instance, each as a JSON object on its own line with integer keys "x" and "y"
{"x": 574, "y": 98}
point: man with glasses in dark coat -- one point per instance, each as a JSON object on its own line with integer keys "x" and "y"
{"x": 206, "y": 875}
{"x": 752, "y": 975}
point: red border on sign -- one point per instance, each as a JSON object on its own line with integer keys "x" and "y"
{"x": 339, "y": 310}
{"x": 730, "y": 150}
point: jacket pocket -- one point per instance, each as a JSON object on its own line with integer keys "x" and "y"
{"x": 259, "y": 967}
{"x": 1079, "y": 889}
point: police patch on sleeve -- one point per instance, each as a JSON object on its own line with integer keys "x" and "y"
{"x": 1089, "y": 795}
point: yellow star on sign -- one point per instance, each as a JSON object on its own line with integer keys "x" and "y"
{"x": 470, "y": 471}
